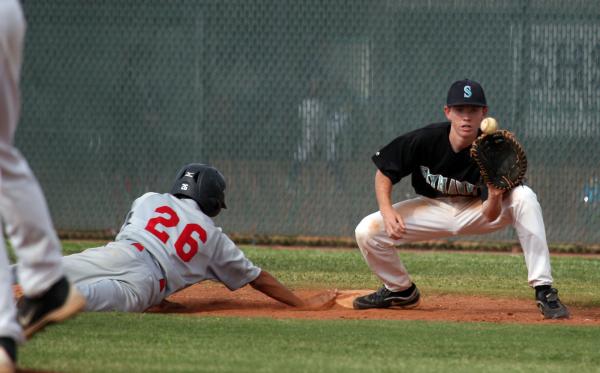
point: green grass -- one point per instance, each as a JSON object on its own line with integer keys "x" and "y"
{"x": 72, "y": 247}
{"x": 114, "y": 342}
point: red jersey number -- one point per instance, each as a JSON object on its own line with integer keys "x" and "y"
{"x": 186, "y": 238}
{"x": 169, "y": 222}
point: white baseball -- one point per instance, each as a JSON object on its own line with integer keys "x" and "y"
{"x": 489, "y": 125}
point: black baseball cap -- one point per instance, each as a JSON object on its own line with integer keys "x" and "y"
{"x": 466, "y": 92}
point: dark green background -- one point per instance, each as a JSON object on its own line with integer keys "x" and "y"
{"x": 117, "y": 95}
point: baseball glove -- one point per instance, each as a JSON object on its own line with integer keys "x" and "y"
{"x": 501, "y": 159}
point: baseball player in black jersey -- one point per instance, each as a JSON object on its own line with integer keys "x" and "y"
{"x": 452, "y": 200}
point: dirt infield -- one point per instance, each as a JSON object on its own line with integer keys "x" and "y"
{"x": 212, "y": 299}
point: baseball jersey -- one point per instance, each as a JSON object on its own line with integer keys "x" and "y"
{"x": 427, "y": 155}
{"x": 185, "y": 242}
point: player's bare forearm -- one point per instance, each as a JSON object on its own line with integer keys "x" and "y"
{"x": 492, "y": 207}
{"x": 270, "y": 286}
{"x": 393, "y": 222}
{"x": 383, "y": 192}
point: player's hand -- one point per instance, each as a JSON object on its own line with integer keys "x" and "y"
{"x": 394, "y": 224}
{"x": 320, "y": 301}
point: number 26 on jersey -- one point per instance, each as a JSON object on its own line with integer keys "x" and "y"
{"x": 159, "y": 225}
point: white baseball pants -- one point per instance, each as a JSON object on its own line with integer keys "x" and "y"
{"x": 23, "y": 207}
{"x": 428, "y": 219}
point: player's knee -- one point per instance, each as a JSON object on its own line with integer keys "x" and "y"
{"x": 365, "y": 229}
{"x": 360, "y": 232}
{"x": 523, "y": 194}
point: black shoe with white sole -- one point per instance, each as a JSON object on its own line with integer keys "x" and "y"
{"x": 384, "y": 298}
{"x": 60, "y": 302}
{"x": 550, "y": 305}
{"x": 8, "y": 355}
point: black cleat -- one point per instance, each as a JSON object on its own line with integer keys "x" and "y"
{"x": 384, "y": 298}
{"x": 60, "y": 302}
{"x": 550, "y": 305}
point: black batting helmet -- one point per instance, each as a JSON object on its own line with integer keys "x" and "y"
{"x": 202, "y": 183}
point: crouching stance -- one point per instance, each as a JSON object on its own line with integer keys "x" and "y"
{"x": 452, "y": 200}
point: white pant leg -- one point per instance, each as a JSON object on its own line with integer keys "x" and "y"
{"x": 8, "y": 322}
{"x": 522, "y": 210}
{"x": 424, "y": 218}
{"x": 529, "y": 224}
{"x": 428, "y": 219}
{"x": 29, "y": 226}
{"x": 22, "y": 204}
{"x": 12, "y": 33}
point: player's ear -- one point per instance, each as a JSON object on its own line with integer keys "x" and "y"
{"x": 485, "y": 110}
{"x": 447, "y": 110}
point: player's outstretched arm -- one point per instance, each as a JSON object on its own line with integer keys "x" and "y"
{"x": 270, "y": 286}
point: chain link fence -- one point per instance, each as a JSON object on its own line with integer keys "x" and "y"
{"x": 289, "y": 99}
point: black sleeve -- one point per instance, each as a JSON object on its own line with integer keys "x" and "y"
{"x": 484, "y": 191}
{"x": 398, "y": 158}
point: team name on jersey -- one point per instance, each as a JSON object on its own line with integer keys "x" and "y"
{"x": 448, "y": 186}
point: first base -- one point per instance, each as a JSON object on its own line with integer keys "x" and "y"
{"x": 346, "y": 297}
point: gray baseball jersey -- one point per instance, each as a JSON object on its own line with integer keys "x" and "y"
{"x": 165, "y": 245}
